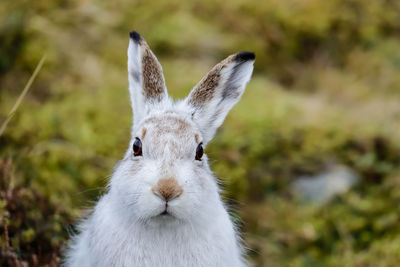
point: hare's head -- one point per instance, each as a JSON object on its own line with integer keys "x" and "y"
{"x": 164, "y": 176}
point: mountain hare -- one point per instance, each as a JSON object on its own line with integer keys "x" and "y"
{"x": 163, "y": 206}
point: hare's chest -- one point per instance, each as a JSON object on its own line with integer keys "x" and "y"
{"x": 148, "y": 250}
{"x": 110, "y": 241}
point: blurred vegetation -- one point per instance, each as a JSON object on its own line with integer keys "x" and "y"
{"x": 325, "y": 91}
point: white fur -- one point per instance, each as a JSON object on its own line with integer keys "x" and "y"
{"x": 126, "y": 228}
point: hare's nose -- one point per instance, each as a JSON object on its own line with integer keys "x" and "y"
{"x": 167, "y": 189}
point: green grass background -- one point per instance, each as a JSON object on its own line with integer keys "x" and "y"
{"x": 325, "y": 91}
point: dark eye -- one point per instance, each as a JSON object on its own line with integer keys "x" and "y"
{"x": 137, "y": 147}
{"x": 199, "y": 151}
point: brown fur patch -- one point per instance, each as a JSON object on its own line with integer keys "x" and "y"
{"x": 196, "y": 137}
{"x": 172, "y": 122}
{"x": 167, "y": 133}
{"x": 205, "y": 89}
{"x": 153, "y": 81}
{"x": 168, "y": 188}
{"x": 144, "y": 132}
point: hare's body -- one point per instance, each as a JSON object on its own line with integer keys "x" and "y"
{"x": 163, "y": 206}
{"x": 108, "y": 242}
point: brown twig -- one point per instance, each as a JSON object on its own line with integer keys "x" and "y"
{"x": 22, "y": 95}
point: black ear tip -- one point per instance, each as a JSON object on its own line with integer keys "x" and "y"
{"x": 244, "y": 56}
{"x": 135, "y": 36}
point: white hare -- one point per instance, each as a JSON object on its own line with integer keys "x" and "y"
{"x": 163, "y": 206}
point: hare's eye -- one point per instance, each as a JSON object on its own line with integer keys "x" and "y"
{"x": 199, "y": 151}
{"x": 137, "y": 147}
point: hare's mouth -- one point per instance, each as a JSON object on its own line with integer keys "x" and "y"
{"x": 164, "y": 213}
{"x": 165, "y": 216}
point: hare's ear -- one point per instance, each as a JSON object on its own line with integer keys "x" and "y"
{"x": 211, "y": 99}
{"x": 146, "y": 80}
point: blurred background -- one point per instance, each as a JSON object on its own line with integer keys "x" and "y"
{"x": 309, "y": 158}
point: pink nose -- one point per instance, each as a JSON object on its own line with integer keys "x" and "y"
{"x": 167, "y": 189}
